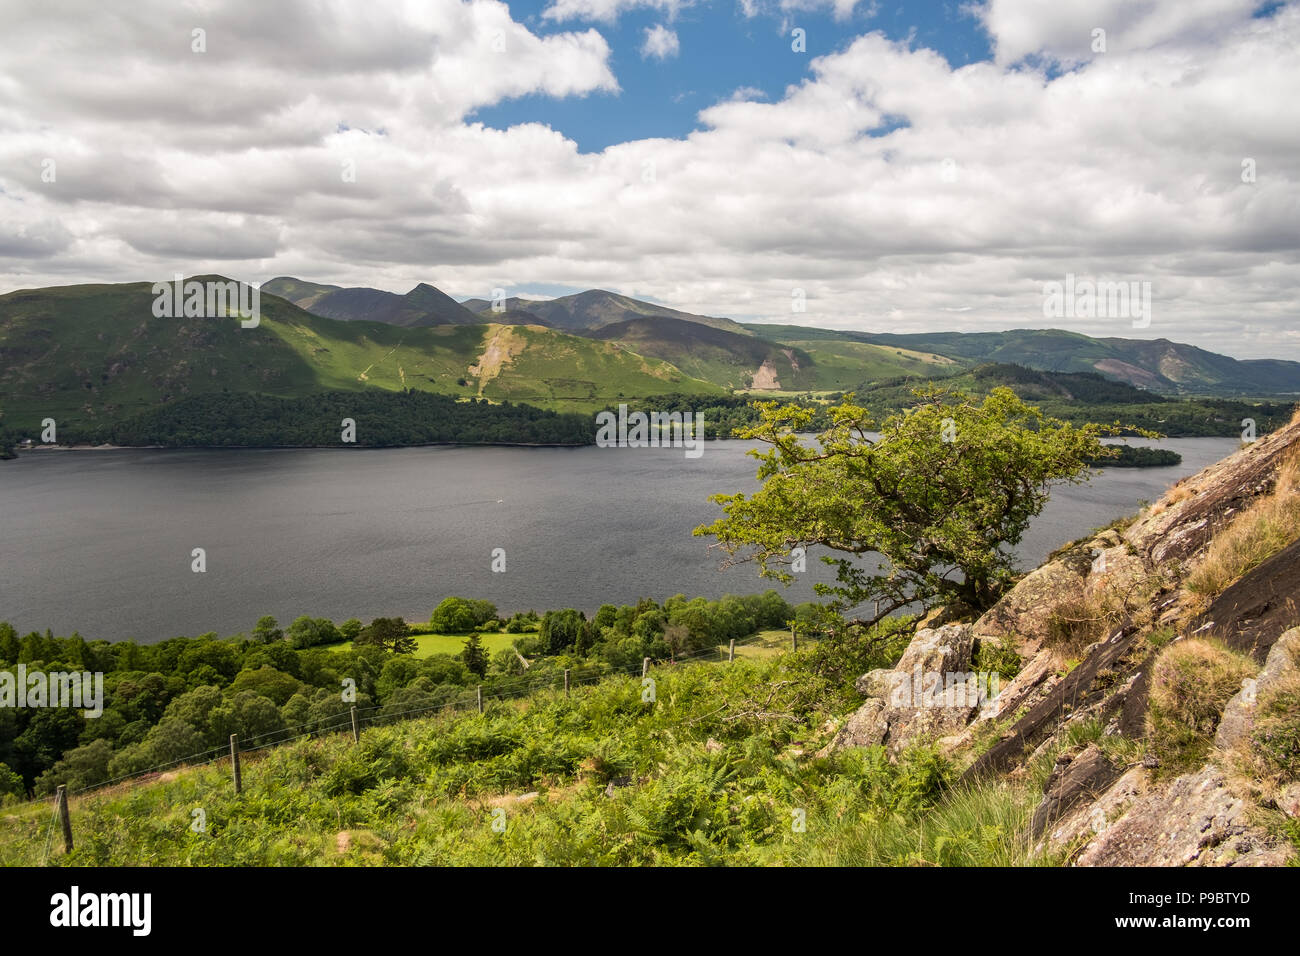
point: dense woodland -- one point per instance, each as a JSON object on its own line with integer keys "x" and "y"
{"x": 183, "y": 697}
{"x": 382, "y": 419}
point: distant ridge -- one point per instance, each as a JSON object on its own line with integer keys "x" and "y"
{"x": 1159, "y": 365}
{"x": 423, "y": 305}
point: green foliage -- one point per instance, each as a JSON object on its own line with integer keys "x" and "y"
{"x": 388, "y": 633}
{"x": 474, "y": 656}
{"x": 267, "y": 630}
{"x": 1133, "y": 456}
{"x": 183, "y": 697}
{"x": 949, "y": 485}
{"x": 1082, "y": 397}
{"x": 309, "y": 632}
{"x": 997, "y": 657}
{"x": 1192, "y": 681}
{"x": 1275, "y": 737}
{"x": 384, "y": 419}
{"x": 457, "y": 615}
{"x": 11, "y": 784}
{"x": 686, "y": 785}
{"x": 696, "y": 777}
{"x": 561, "y": 630}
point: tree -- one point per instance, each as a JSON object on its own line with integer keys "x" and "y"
{"x": 80, "y": 767}
{"x": 941, "y": 495}
{"x": 457, "y": 615}
{"x": 9, "y": 646}
{"x": 561, "y": 629}
{"x": 310, "y": 631}
{"x": 11, "y": 784}
{"x": 267, "y": 630}
{"x": 390, "y": 633}
{"x": 273, "y": 684}
{"x": 475, "y": 656}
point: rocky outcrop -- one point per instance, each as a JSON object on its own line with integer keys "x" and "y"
{"x": 929, "y": 693}
{"x": 1196, "y": 821}
{"x": 1099, "y": 809}
{"x": 1254, "y": 612}
{"x": 1074, "y": 780}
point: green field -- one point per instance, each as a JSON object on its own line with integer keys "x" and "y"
{"x": 429, "y": 644}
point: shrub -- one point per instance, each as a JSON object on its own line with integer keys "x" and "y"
{"x": 1276, "y": 735}
{"x": 997, "y": 657}
{"x": 1074, "y": 624}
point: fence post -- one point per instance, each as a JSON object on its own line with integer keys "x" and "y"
{"x": 61, "y": 804}
{"x": 234, "y": 761}
{"x": 356, "y": 727}
{"x": 794, "y": 639}
{"x": 480, "y": 698}
{"x": 645, "y": 666}
{"x": 566, "y": 682}
{"x": 731, "y": 651}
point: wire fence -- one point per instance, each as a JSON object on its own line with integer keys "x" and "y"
{"x": 378, "y": 714}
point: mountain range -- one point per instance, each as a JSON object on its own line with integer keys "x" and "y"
{"x": 97, "y": 353}
{"x": 794, "y": 357}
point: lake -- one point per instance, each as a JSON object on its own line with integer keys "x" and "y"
{"x": 100, "y": 541}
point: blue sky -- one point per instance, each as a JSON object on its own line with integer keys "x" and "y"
{"x": 721, "y": 51}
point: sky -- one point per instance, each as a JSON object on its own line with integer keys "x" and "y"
{"x": 903, "y": 167}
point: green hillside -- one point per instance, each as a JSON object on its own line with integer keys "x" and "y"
{"x": 841, "y": 364}
{"x": 1155, "y": 364}
{"x": 602, "y": 776}
{"x": 96, "y": 353}
{"x": 716, "y": 355}
{"x": 298, "y": 291}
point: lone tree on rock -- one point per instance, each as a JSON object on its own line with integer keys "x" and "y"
{"x": 941, "y": 496}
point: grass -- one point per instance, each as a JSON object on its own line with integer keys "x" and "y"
{"x": 1254, "y": 536}
{"x": 981, "y": 825}
{"x": 763, "y": 645}
{"x": 1191, "y": 682}
{"x": 429, "y": 644}
{"x": 1076, "y": 622}
{"x": 1275, "y": 737}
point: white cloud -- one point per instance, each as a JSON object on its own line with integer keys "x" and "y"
{"x": 1128, "y": 167}
{"x": 607, "y": 11}
{"x": 660, "y": 43}
{"x": 1063, "y": 29}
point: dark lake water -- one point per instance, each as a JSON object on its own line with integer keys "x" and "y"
{"x": 100, "y": 541}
